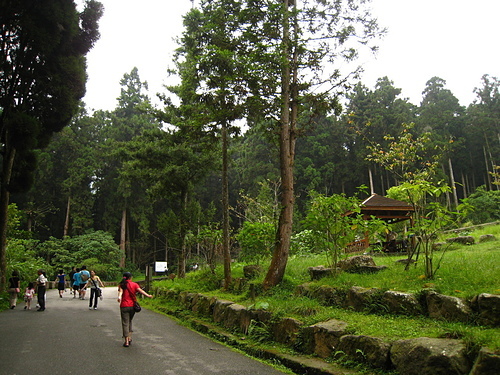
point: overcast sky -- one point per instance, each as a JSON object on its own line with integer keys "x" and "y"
{"x": 456, "y": 40}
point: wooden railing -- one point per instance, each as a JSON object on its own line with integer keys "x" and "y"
{"x": 356, "y": 246}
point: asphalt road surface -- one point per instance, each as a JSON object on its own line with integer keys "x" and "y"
{"x": 68, "y": 338}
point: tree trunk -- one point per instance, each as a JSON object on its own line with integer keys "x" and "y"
{"x": 464, "y": 186}
{"x": 372, "y": 189}
{"x": 123, "y": 237}
{"x": 487, "y": 180}
{"x": 166, "y": 250}
{"x": 7, "y": 163}
{"x": 225, "y": 209}
{"x": 453, "y": 185}
{"x": 66, "y": 221}
{"x": 181, "y": 272}
{"x": 288, "y": 120}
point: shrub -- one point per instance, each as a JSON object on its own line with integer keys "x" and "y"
{"x": 486, "y": 206}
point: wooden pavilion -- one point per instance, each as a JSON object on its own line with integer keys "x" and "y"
{"x": 389, "y": 210}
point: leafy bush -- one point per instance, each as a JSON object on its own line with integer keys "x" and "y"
{"x": 22, "y": 257}
{"x": 96, "y": 250}
{"x": 256, "y": 241}
{"x": 303, "y": 243}
{"x": 486, "y": 206}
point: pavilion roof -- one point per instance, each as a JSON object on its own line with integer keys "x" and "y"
{"x": 387, "y": 209}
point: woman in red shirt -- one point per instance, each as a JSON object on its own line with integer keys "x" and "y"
{"x": 126, "y": 296}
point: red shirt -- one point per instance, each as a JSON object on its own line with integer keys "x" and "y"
{"x": 129, "y": 294}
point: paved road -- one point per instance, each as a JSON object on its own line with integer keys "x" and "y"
{"x": 68, "y": 338}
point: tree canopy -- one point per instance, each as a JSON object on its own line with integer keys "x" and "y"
{"x": 42, "y": 79}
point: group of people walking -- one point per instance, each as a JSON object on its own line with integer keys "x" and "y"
{"x": 80, "y": 280}
{"x": 14, "y": 290}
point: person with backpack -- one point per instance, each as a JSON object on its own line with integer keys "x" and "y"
{"x": 95, "y": 292}
{"x": 84, "y": 277}
{"x": 76, "y": 283}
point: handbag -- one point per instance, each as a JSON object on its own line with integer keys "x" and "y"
{"x": 97, "y": 289}
{"x": 137, "y": 307}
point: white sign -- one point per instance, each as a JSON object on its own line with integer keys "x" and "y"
{"x": 161, "y": 267}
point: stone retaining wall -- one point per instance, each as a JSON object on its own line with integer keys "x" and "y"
{"x": 422, "y": 356}
{"x": 483, "y": 309}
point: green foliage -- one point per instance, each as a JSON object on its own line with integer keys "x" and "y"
{"x": 336, "y": 222}
{"x": 259, "y": 331}
{"x": 97, "y": 250}
{"x": 486, "y": 206}
{"x": 256, "y": 241}
{"x": 405, "y": 155}
{"x": 430, "y": 217}
{"x": 209, "y": 240}
{"x": 23, "y": 257}
{"x": 304, "y": 243}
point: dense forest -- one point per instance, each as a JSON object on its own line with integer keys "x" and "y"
{"x": 87, "y": 178}
{"x": 253, "y": 131}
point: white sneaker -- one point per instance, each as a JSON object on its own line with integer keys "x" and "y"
{"x": 90, "y": 307}
{"x": 95, "y": 308}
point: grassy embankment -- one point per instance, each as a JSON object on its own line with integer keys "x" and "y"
{"x": 465, "y": 271}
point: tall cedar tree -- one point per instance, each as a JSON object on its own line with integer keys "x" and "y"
{"x": 212, "y": 90}
{"x": 42, "y": 78}
{"x": 307, "y": 47}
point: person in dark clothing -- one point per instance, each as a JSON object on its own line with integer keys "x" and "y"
{"x": 41, "y": 283}
{"x": 14, "y": 289}
{"x": 72, "y": 272}
{"x": 61, "y": 282}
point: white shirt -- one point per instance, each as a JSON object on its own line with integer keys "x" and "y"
{"x": 41, "y": 279}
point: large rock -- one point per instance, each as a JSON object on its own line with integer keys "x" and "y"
{"x": 186, "y": 299}
{"x": 220, "y": 310}
{"x": 366, "y": 349}
{"x": 401, "y": 303}
{"x": 355, "y": 261}
{"x": 233, "y": 315}
{"x": 204, "y": 305}
{"x": 319, "y": 272}
{"x": 448, "y": 308}
{"x": 363, "y": 299}
{"x": 359, "y": 264}
{"x": 464, "y": 240}
{"x": 322, "y": 338}
{"x": 430, "y": 356}
{"x": 488, "y": 309}
{"x": 487, "y": 363}
{"x": 487, "y": 238}
{"x": 330, "y": 296}
{"x": 249, "y": 315}
{"x": 286, "y": 330}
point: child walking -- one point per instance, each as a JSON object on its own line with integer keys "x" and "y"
{"x": 29, "y": 293}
